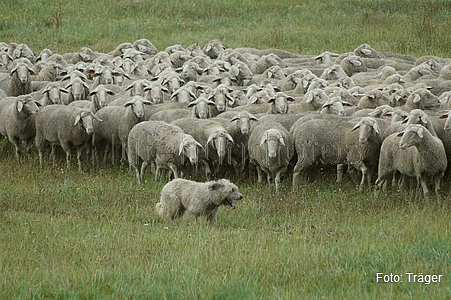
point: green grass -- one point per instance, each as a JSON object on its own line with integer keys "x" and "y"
{"x": 307, "y": 27}
{"x": 96, "y": 235}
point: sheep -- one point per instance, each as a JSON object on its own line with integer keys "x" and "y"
{"x": 44, "y": 55}
{"x": 65, "y": 126}
{"x": 136, "y": 88}
{"x": 19, "y": 82}
{"x": 312, "y": 101}
{"x": 179, "y": 58}
{"x": 220, "y": 95}
{"x": 22, "y": 50}
{"x": 325, "y": 58}
{"x": 190, "y": 71}
{"x": 52, "y": 94}
{"x": 78, "y": 90}
{"x": 196, "y": 198}
{"x": 182, "y": 95}
{"x": 98, "y": 99}
{"x": 279, "y": 103}
{"x": 215, "y": 139}
{"x": 48, "y": 72}
{"x": 335, "y": 106}
{"x": 117, "y": 121}
{"x": 17, "y": 121}
{"x": 363, "y": 151}
{"x": 239, "y": 127}
{"x": 239, "y": 73}
{"x": 154, "y": 92}
{"x": 145, "y": 46}
{"x": 162, "y": 143}
{"x": 334, "y": 72}
{"x": 270, "y": 149}
{"x": 318, "y": 140}
{"x": 103, "y": 75}
{"x": 200, "y": 107}
{"x": 274, "y": 72}
{"x": 353, "y": 64}
{"x": 414, "y": 152}
{"x": 263, "y": 63}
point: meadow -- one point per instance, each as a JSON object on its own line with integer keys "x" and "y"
{"x": 96, "y": 235}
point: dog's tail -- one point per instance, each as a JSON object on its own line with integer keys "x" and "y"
{"x": 160, "y": 209}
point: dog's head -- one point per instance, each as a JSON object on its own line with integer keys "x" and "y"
{"x": 227, "y": 192}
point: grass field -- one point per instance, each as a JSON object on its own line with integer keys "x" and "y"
{"x": 96, "y": 235}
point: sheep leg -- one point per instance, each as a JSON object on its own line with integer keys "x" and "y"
{"x": 53, "y": 153}
{"x": 143, "y": 169}
{"x": 424, "y": 186}
{"x": 437, "y": 180}
{"x": 259, "y": 174}
{"x": 79, "y": 154}
{"x": 173, "y": 168}
{"x": 364, "y": 171}
{"x": 340, "y": 168}
{"x": 16, "y": 142}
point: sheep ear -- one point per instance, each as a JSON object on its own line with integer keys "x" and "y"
{"x": 281, "y": 141}
{"x": 128, "y": 103}
{"x": 19, "y": 106}
{"x": 251, "y": 117}
{"x": 198, "y": 144}
{"x": 416, "y": 98}
{"x": 309, "y": 97}
{"x": 420, "y": 132}
{"x": 192, "y": 103}
{"x": 236, "y": 118}
{"x": 181, "y": 147}
{"x": 424, "y": 119}
{"x": 77, "y": 119}
{"x": 355, "y": 127}
{"x": 210, "y": 138}
{"x": 263, "y": 140}
{"x": 271, "y": 100}
{"x": 229, "y": 137}
{"x": 376, "y": 127}
{"x": 443, "y": 116}
{"x": 63, "y": 90}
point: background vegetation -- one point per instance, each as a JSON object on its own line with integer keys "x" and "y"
{"x": 96, "y": 235}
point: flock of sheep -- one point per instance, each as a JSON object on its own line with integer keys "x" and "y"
{"x": 381, "y": 118}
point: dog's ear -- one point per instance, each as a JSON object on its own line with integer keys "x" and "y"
{"x": 214, "y": 185}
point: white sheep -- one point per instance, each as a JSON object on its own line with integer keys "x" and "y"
{"x": 165, "y": 144}
{"x": 65, "y": 126}
{"x": 17, "y": 121}
{"x": 214, "y": 138}
{"x": 52, "y": 94}
{"x": 414, "y": 152}
{"x": 19, "y": 81}
{"x": 117, "y": 121}
{"x": 98, "y": 98}
{"x": 270, "y": 149}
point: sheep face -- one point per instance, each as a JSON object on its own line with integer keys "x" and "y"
{"x": 200, "y": 107}
{"x": 84, "y": 120}
{"x": 273, "y": 140}
{"x": 244, "y": 122}
{"x": 411, "y": 136}
{"x": 155, "y": 93}
{"x": 367, "y": 128}
{"x": 137, "y": 106}
{"x": 22, "y": 72}
{"x": 221, "y": 142}
{"x": 189, "y": 148}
